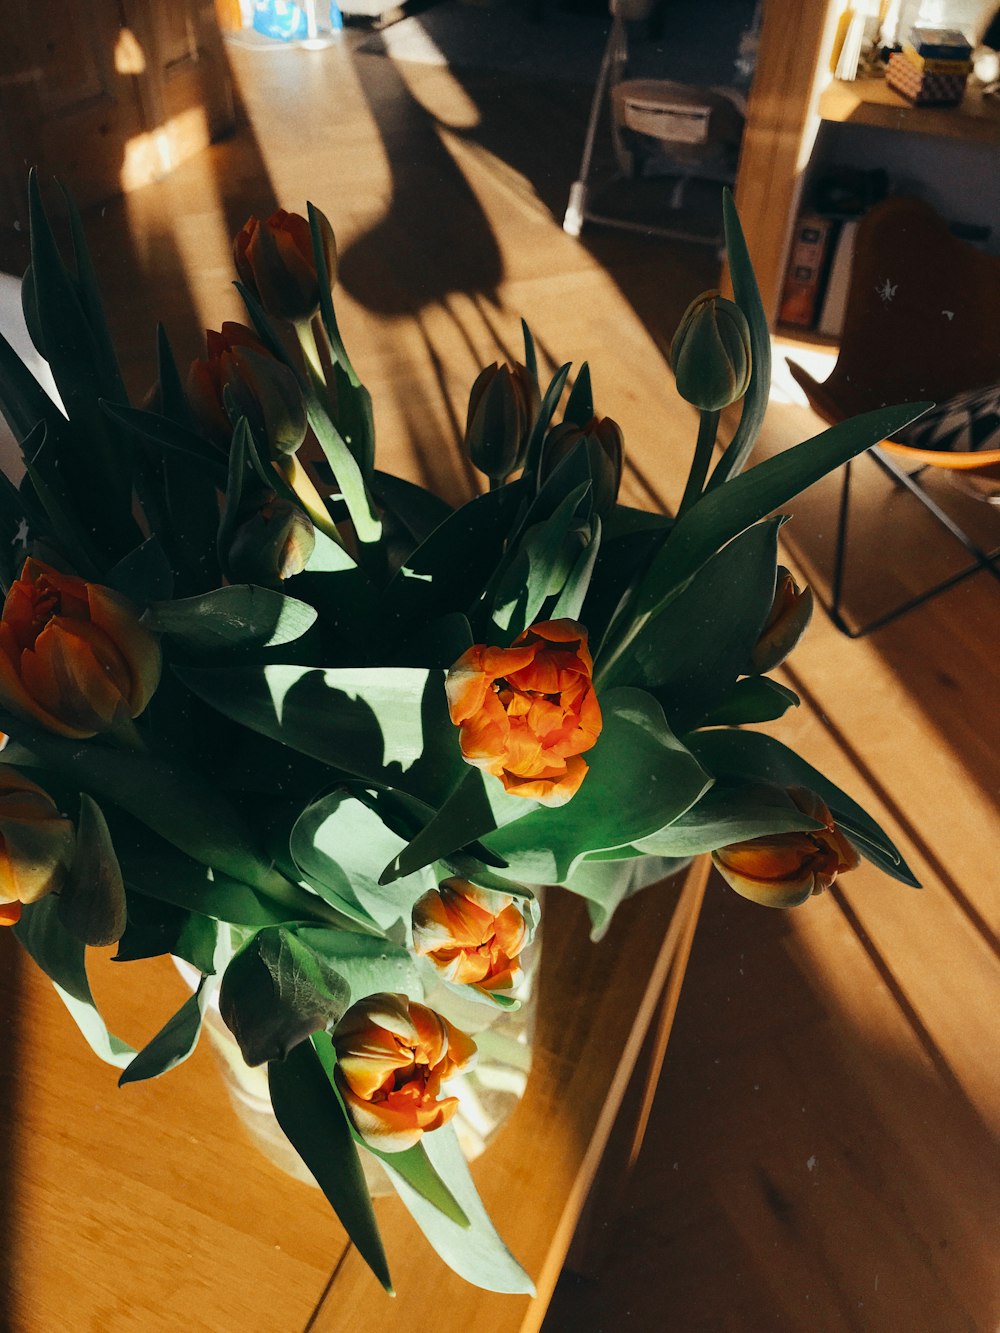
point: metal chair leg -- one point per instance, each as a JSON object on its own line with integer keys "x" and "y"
{"x": 984, "y": 560}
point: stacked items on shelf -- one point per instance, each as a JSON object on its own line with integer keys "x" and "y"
{"x": 932, "y": 68}
{"x": 819, "y": 269}
{"x": 807, "y": 266}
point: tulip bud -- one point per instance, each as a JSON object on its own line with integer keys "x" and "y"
{"x": 393, "y": 1055}
{"x": 272, "y": 545}
{"x": 606, "y": 450}
{"x": 472, "y": 936}
{"x": 784, "y": 869}
{"x": 786, "y": 622}
{"x": 710, "y": 353}
{"x": 73, "y": 655}
{"x": 526, "y": 714}
{"x": 207, "y": 377}
{"x": 275, "y": 260}
{"x": 263, "y": 390}
{"x": 36, "y": 844}
{"x": 267, "y": 393}
{"x": 503, "y": 404}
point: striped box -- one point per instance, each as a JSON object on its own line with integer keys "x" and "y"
{"x": 921, "y": 88}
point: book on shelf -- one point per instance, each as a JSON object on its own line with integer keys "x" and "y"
{"x": 838, "y": 282}
{"x": 806, "y": 273}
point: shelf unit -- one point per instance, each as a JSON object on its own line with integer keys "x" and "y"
{"x": 792, "y": 95}
{"x": 871, "y": 102}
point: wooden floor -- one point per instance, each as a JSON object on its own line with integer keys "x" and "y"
{"x": 822, "y": 1154}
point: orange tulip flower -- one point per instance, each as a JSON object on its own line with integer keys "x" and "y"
{"x": 787, "y": 620}
{"x": 784, "y": 869}
{"x": 392, "y": 1057}
{"x": 275, "y": 260}
{"x": 264, "y": 390}
{"x": 471, "y": 935}
{"x": 73, "y": 655}
{"x": 36, "y": 844}
{"x": 208, "y": 375}
{"x": 528, "y": 712}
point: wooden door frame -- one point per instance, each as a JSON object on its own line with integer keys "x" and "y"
{"x": 782, "y": 121}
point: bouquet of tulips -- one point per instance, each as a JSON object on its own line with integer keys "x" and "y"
{"x": 305, "y": 726}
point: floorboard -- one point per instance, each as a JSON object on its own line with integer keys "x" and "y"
{"x": 822, "y": 1153}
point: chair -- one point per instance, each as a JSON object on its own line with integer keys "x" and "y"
{"x": 921, "y": 323}
{"x": 659, "y": 128}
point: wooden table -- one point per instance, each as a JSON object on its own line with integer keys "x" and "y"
{"x": 148, "y": 1208}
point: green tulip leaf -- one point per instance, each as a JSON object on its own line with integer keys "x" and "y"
{"x": 42, "y": 466}
{"x": 61, "y": 956}
{"x": 199, "y": 942}
{"x": 580, "y": 404}
{"x": 172, "y": 1045}
{"x": 325, "y": 279}
{"x": 172, "y": 800}
{"x": 746, "y": 756}
{"x": 234, "y": 616}
{"x": 550, "y": 401}
{"x": 413, "y": 1167}
{"x": 721, "y": 514}
{"x": 728, "y": 814}
{"x": 92, "y": 899}
{"x": 276, "y": 992}
{"x": 341, "y": 845}
{"x": 747, "y": 295}
{"x": 367, "y": 965}
{"x": 418, "y": 510}
{"x": 89, "y": 292}
{"x": 181, "y": 503}
{"x": 170, "y": 436}
{"x": 541, "y": 565}
{"x": 155, "y": 869}
{"x": 350, "y": 479}
{"x": 752, "y": 699}
{"x": 450, "y": 568}
{"x": 569, "y": 604}
{"x": 355, "y": 418}
{"x": 312, "y": 1117}
{"x": 84, "y": 372}
{"x": 640, "y": 778}
{"x": 474, "y": 1251}
{"x": 623, "y": 520}
{"x": 144, "y": 575}
{"x": 328, "y": 556}
{"x": 151, "y": 930}
{"x": 606, "y": 883}
{"x": 388, "y": 725}
{"x": 693, "y": 651}
{"x": 477, "y": 806}
{"x": 23, "y": 402}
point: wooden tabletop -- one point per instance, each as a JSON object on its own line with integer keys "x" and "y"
{"x": 148, "y": 1208}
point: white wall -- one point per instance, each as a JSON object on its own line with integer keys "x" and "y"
{"x": 961, "y": 181}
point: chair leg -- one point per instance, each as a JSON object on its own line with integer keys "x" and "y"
{"x": 984, "y": 560}
{"x": 840, "y": 553}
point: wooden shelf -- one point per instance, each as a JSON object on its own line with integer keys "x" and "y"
{"x": 871, "y": 102}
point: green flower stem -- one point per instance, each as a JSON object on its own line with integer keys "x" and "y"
{"x": 707, "y": 430}
{"x": 308, "y": 496}
{"x": 306, "y": 336}
{"x": 345, "y": 468}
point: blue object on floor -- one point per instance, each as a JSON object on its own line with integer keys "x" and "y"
{"x": 282, "y": 19}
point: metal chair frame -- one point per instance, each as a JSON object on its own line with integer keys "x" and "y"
{"x": 983, "y": 559}
{"x": 614, "y": 65}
